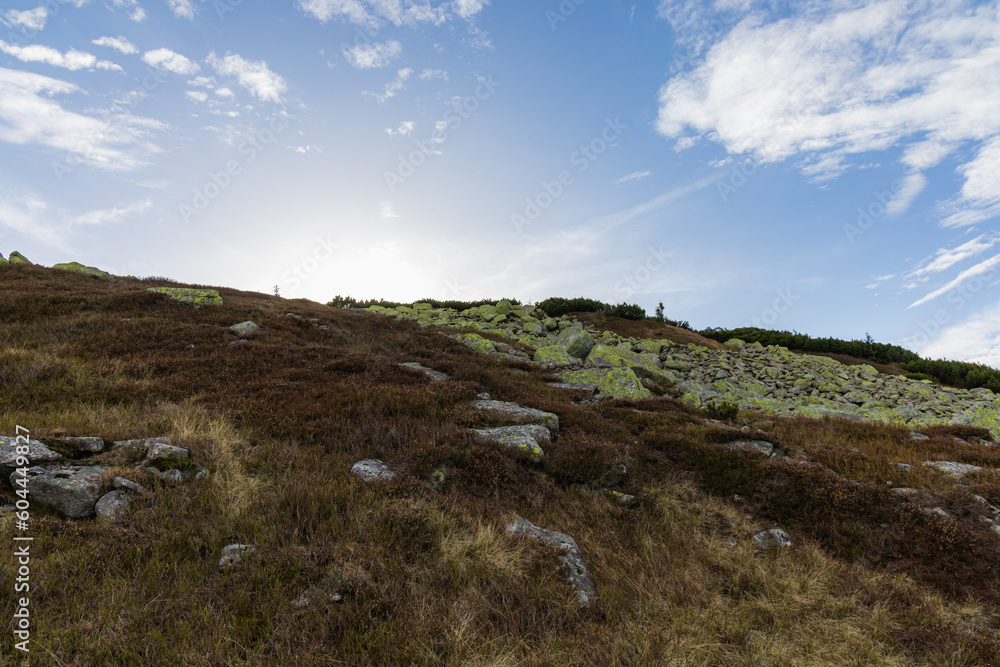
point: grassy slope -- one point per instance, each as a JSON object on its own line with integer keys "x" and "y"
{"x": 430, "y": 578}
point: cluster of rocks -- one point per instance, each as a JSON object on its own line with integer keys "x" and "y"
{"x": 78, "y": 489}
{"x": 76, "y": 267}
{"x": 751, "y": 376}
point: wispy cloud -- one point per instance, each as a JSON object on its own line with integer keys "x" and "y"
{"x": 392, "y": 87}
{"x": 945, "y": 258}
{"x": 396, "y": 12}
{"x": 253, "y": 75}
{"x": 118, "y": 43}
{"x": 32, "y": 19}
{"x": 113, "y": 214}
{"x": 372, "y": 56}
{"x": 72, "y": 60}
{"x": 634, "y": 176}
{"x": 387, "y": 211}
{"x": 979, "y": 269}
{"x": 405, "y": 128}
{"x": 182, "y": 8}
{"x": 429, "y": 74}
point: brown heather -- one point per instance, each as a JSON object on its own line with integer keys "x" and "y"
{"x": 430, "y": 578}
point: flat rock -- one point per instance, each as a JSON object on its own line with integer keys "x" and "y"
{"x": 70, "y": 490}
{"x": 516, "y": 414}
{"x": 525, "y": 439}
{"x": 135, "y": 449}
{"x": 572, "y": 565}
{"x": 756, "y": 446}
{"x": 372, "y": 470}
{"x": 161, "y": 450}
{"x": 37, "y": 452}
{"x": 953, "y": 468}
{"x": 435, "y": 376}
{"x": 87, "y": 444}
{"x": 575, "y": 386}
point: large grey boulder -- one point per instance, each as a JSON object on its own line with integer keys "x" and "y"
{"x": 516, "y": 414}
{"x": 37, "y": 452}
{"x": 526, "y": 440}
{"x": 70, "y": 490}
{"x": 571, "y": 563}
{"x": 576, "y": 341}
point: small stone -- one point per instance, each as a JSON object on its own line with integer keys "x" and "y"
{"x": 112, "y": 507}
{"x": 233, "y": 555}
{"x": 244, "y": 328}
{"x": 902, "y": 466}
{"x": 775, "y": 538}
{"x": 125, "y": 484}
{"x": 161, "y": 450}
{"x": 372, "y": 470}
{"x": 918, "y": 436}
{"x": 85, "y": 444}
{"x": 435, "y": 376}
{"x": 756, "y": 446}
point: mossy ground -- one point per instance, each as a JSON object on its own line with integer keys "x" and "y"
{"x": 429, "y": 577}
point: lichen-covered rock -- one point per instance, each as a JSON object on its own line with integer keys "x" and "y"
{"x": 575, "y": 386}
{"x": 554, "y": 355}
{"x": 245, "y": 328}
{"x": 525, "y": 440}
{"x": 70, "y": 490}
{"x": 611, "y": 382}
{"x": 18, "y": 258}
{"x": 372, "y": 470}
{"x": 513, "y": 413}
{"x": 435, "y": 376}
{"x": 36, "y": 452}
{"x": 602, "y": 355}
{"x": 77, "y": 267}
{"x": 577, "y": 341}
{"x": 112, "y": 507}
{"x": 775, "y": 538}
{"x": 195, "y": 297}
{"x": 572, "y": 565}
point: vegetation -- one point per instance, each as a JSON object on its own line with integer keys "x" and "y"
{"x": 557, "y": 307}
{"x": 430, "y": 577}
{"x": 349, "y": 302}
{"x": 722, "y": 410}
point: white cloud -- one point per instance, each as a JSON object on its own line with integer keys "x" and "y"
{"x": 371, "y": 56}
{"x": 114, "y": 214}
{"x": 405, "y": 128}
{"x": 392, "y": 87}
{"x": 169, "y": 61}
{"x": 31, "y": 19}
{"x": 429, "y": 74}
{"x": 397, "y": 12}
{"x": 202, "y": 81}
{"x": 387, "y": 211}
{"x": 825, "y": 82}
{"x": 253, "y": 75}
{"x": 634, "y": 176}
{"x": 912, "y": 185}
{"x": 117, "y": 43}
{"x": 224, "y": 92}
{"x": 302, "y": 150}
{"x": 138, "y": 15}
{"x": 977, "y": 339}
{"x": 196, "y": 95}
{"x": 25, "y": 213}
{"x": 29, "y": 116}
{"x": 988, "y": 266}
{"x": 71, "y": 60}
{"x": 946, "y": 258}
{"x": 182, "y": 8}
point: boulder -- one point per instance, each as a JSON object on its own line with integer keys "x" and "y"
{"x": 244, "y": 328}
{"x": 161, "y": 450}
{"x": 36, "y": 453}
{"x": 775, "y": 538}
{"x": 135, "y": 449}
{"x": 526, "y": 440}
{"x": 554, "y": 355}
{"x": 195, "y": 297}
{"x": 112, "y": 507}
{"x": 512, "y": 413}
{"x": 77, "y": 267}
{"x": 89, "y": 445}
{"x": 611, "y": 383}
{"x": 234, "y": 554}
{"x": 18, "y": 258}
{"x": 70, "y": 490}
{"x": 572, "y": 566}
{"x": 576, "y": 341}
{"x": 602, "y": 355}
{"x": 953, "y": 468}
{"x": 755, "y": 446}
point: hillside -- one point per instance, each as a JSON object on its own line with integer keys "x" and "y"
{"x": 294, "y": 494}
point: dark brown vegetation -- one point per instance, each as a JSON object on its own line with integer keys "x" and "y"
{"x": 429, "y": 577}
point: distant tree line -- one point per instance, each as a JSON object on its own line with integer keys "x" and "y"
{"x": 958, "y": 373}
{"x": 558, "y": 306}
{"x": 349, "y": 302}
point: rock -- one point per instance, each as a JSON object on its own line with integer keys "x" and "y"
{"x": 135, "y": 449}
{"x": 18, "y": 258}
{"x": 70, "y": 490}
{"x": 125, "y": 484}
{"x": 483, "y": 396}
{"x": 372, "y": 470}
{"x": 772, "y": 539}
{"x": 526, "y": 440}
{"x": 603, "y": 355}
{"x": 189, "y": 472}
{"x": 195, "y": 297}
{"x": 554, "y": 355}
{"x": 572, "y": 565}
{"x": 90, "y": 445}
{"x": 234, "y": 554}
{"x": 906, "y": 492}
{"x": 315, "y": 595}
{"x": 576, "y": 341}
{"x": 516, "y": 414}
{"x": 36, "y": 452}
{"x": 918, "y": 436}
{"x": 77, "y": 267}
{"x": 953, "y": 468}
{"x": 244, "y": 328}
{"x": 906, "y": 467}
{"x": 756, "y": 446}
{"x": 161, "y": 450}
{"x": 435, "y": 376}
{"x": 575, "y": 386}
{"x": 112, "y": 507}
{"x": 611, "y": 382}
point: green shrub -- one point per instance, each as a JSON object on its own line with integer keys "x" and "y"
{"x": 722, "y": 410}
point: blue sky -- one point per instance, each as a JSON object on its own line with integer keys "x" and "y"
{"x": 829, "y": 167}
